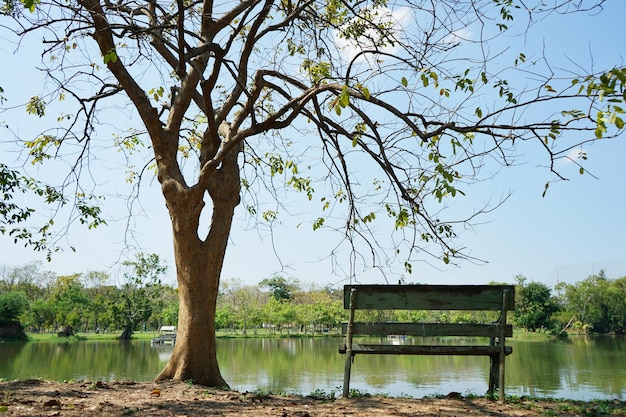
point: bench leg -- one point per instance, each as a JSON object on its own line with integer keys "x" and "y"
{"x": 346, "y": 375}
{"x": 494, "y": 374}
{"x": 501, "y": 378}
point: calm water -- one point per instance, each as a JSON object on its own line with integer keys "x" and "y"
{"x": 583, "y": 368}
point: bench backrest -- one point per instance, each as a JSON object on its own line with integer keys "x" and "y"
{"x": 430, "y": 297}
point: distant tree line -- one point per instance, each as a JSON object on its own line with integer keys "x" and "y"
{"x": 595, "y": 305}
{"x": 137, "y": 299}
{"x": 94, "y": 301}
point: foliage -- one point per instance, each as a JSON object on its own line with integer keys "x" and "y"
{"x": 281, "y": 289}
{"x": 355, "y": 64}
{"x": 12, "y": 305}
{"x": 15, "y": 213}
{"x": 244, "y": 305}
{"x": 142, "y": 279}
{"x": 89, "y": 303}
{"x": 86, "y": 301}
{"x": 69, "y": 300}
{"x": 597, "y": 304}
{"x": 231, "y": 96}
{"x": 534, "y": 306}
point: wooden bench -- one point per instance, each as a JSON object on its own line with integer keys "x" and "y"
{"x": 431, "y": 297}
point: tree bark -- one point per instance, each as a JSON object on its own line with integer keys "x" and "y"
{"x": 127, "y": 333}
{"x": 194, "y": 356}
{"x": 198, "y": 268}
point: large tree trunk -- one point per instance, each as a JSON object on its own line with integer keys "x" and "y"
{"x": 194, "y": 356}
{"x": 198, "y": 268}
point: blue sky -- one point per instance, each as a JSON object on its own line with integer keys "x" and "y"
{"x": 576, "y": 230}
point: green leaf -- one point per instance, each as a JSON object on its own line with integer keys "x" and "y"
{"x": 366, "y": 93}
{"x": 36, "y": 106}
{"x": 110, "y": 56}
{"x": 581, "y": 170}
{"x": 598, "y": 132}
{"x": 404, "y": 81}
{"x": 344, "y": 97}
{"x": 619, "y": 123}
{"x": 30, "y": 5}
{"x": 318, "y": 223}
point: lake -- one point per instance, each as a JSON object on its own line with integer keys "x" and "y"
{"x": 582, "y": 368}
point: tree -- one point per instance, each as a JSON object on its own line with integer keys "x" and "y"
{"x": 69, "y": 300}
{"x": 597, "y": 303}
{"x": 281, "y": 289}
{"x": 41, "y": 315}
{"x": 12, "y": 305}
{"x": 276, "y": 313}
{"x": 27, "y": 278}
{"x": 318, "y": 307}
{"x": 534, "y": 305}
{"x": 245, "y": 303}
{"x": 139, "y": 291}
{"x": 99, "y": 294}
{"x": 231, "y": 95}
{"x": 165, "y": 310}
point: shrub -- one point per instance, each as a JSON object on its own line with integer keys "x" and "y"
{"x": 12, "y": 305}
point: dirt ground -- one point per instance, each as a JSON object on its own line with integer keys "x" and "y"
{"x": 178, "y": 399}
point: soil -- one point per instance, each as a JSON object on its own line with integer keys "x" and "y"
{"x": 179, "y": 399}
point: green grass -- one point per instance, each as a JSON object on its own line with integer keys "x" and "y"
{"x": 265, "y": 333}
{"x": 52, "y": 337}
{"x": 260, "y": 333}
{"x": 518, "y": 335}
{"x": 522, "y": 335}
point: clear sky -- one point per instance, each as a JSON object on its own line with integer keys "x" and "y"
{"x": 576, "y": 230}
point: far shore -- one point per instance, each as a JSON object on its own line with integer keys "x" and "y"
{"x": 518, "y": 335}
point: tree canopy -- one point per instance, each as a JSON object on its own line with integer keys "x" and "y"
{"x": 380, "y": 112}
{"x": 535, "y": 306}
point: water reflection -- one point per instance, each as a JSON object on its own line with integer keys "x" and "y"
{"x": 583, "y": 368}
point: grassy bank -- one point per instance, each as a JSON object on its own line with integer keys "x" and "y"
{"x": 261, "y": 333}
{"x": 518, "y": 335}
{"x": 52, "y": 337}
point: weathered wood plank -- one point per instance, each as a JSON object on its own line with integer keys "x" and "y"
{"x": 428, "y": 329}
{"x": 429, "y": 297}
{"x": 361, "y": 348}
